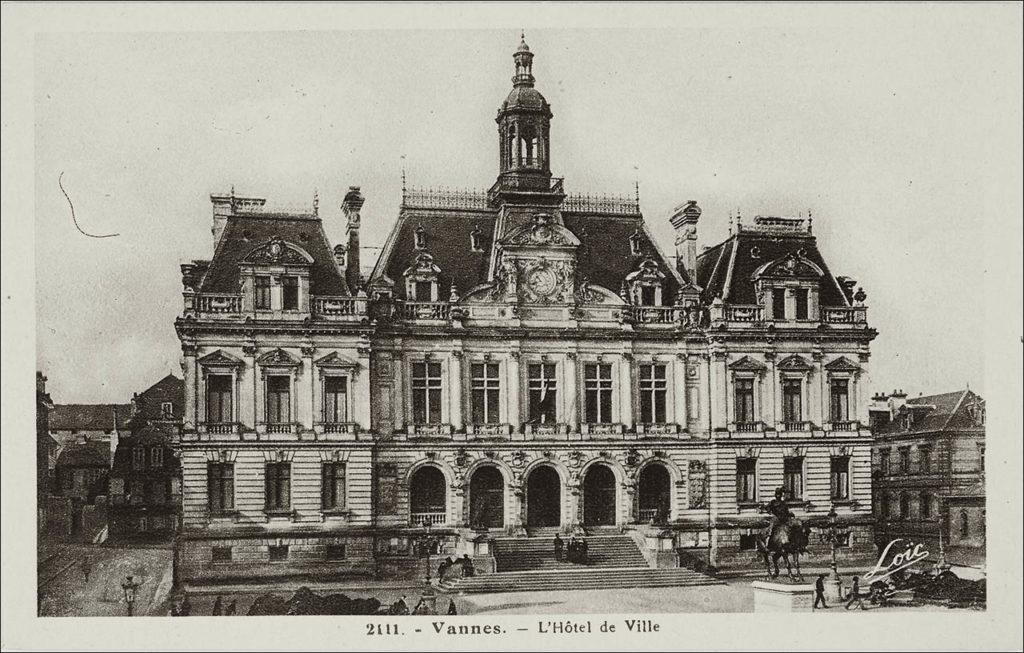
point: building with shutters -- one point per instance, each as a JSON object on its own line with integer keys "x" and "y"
{"x": 521, "y": 360}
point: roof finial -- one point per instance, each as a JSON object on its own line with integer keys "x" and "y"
{"x": 403, "y": 177}
{"x": 810, "y": 221}
{"x": 636, "y": 182}
{"x": 316, "y": 202}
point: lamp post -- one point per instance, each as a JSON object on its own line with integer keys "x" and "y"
{"x": 130, "y": 587}
{"x": 424, "y": 544}
{"x": 833, "y": 535}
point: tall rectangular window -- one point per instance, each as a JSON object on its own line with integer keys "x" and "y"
{"x": 333, "y": 486}
{"x": 801, "y": 297}
{"x": 279, "y": 399}
{"x": 218, "y": 399}
{"x": 262, "y": 294}
{"x": 746, "y": 480}
{"x": 744, "y": 391}
{"x": 647, "y": 295}
{"x": 904, "y": 460}
{"x": 840, "y": 400}
{"x": 426, "y": 393}
{"x": 840, "y": 475}
{"x": 290, "y": 293}
{"x": 387, "y": 488}
{"x": 486, "y": 389}
{"x": 138, "y": 457}
{"x": 653, "y": 393}
{"x": 597, "y": 380}
{"x": 220, "y": 486}
{"x": 779, "y": 303}
{"x": 793, "y": 477}
{"x": 335, "y": 399}
{"x": 884, "y": 461}
{"x": 543, "y": 389}
{"x": 156, "y": 457}
{"x": 278, "y": 486}
{"x": 925, "y": 455}
{"x": 792, "y": 411}
{"x": 925, "y": 505}
{"x": 424, "y": 291}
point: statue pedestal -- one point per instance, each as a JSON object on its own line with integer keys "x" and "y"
{"x": 833, "y": 589}
{"x": 782, "y": 597}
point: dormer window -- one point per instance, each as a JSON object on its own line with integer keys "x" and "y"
{"x": 421, "y": 279}
{"x": 790, "y": 287}
{"x": 167, "y": 410}
{"x": 778, "y": 303}
{"x": 290, "y": 293}
{"x": 645, "y": 284}
{"x": 423, "y": 291}
{"x": 476, "y": 240}
{"x": 420, "y": 237}
{"x": 801, "y": 297}
{"x": 261, "y": 298}
{"x": 635, "y": 243}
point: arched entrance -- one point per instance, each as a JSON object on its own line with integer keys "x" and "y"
{"x": 655, "y": 494}
{"x": 487, "y": 498}
{"x": 543, "y": 497}
{"x": 599, "y": 496}
{"x": 427, "y": 496}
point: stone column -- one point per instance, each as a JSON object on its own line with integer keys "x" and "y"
{"x": 188, "y": 369}
{"x": 862, "y": 381}
{"x": 771, "y": 414}
{"x": 361, "y": 390}
{"x": 249, "y": 400}
{"x": 718, "y": 399}
{"x": 571, "y": 401}
{"x": 513, "y": 382}
{"x": 305, "y": 386}
{"x": 455, "y": 407}
{"x": 626, "y": 391}
{"x": 679, "y": 397}
{"x": 818, "y": 402}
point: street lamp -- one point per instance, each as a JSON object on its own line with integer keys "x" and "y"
{"x": 833, "y": 536}
{"x": 424, "y": 544}
{"x": 130, "y": 588}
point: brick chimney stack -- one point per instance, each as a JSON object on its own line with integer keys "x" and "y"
{"x": 684, "y": 220}
{"x": 350, "y": 207}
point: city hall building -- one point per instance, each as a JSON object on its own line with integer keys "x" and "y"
{"x": 521, "y": 361}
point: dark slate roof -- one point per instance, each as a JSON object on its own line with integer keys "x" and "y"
{"x": 604, "y": 255}
{"x": 243, "y": 232}
{"x": 148, "y": 403}
{"x": 447, "y": 239}
{"x": 88, "y": 454}
{"x": 934, "y": 413}
{"x": 714, "y": 264}
{"x": 89, "y": 417}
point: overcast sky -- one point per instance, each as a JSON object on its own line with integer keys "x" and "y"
{"x": 896, "y": 138}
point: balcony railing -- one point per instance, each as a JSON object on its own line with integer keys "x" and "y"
{"x": 330, "y": 306}
{"x": 845, "y": 315}
{"x": 656, "y": 314}
{"x": 427, "y": 518}
{"x": 340, "y": 427}
{"x": 792, "y": 427}
{"x": 615, "y": 205}
{"x": 743, "y": 313}
{"x": 602, "y": 428}
{"x": 546, "y": 428}
{"x": 435, "y": 198}
{"x": 845, "y": 425}
{"x": 488, "y": 430}
{"x": 227, "y": 304}
{"x": 425, "y": 310}
{"x": 749, "y": 427}
{"x": 648, "y": 515}
{"x": 280, "y": 427}
{"x": 221, "y": 428}
{"x": 430, "y": 430}
{"x": 656, "y": 428}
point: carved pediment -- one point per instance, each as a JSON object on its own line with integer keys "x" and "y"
{"x": 423, "y": 268}
{"x": 792, "y": 265}
{"x": 747, "y": 364}
{"x": 842, "y": 364}
{"x": 794, "y": 363}
{"x": 278, "y": 358}
{"x": 278, "y": 252}
{"x": 647, "y": 273}
{"x": 219, "y": 359}
{"x": 336, "y": 360}
{"x": 542, "y": 231}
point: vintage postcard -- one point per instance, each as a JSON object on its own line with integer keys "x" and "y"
{"x": 447, "y": 327}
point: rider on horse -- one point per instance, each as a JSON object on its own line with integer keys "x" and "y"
{"x": 779, "y": 511}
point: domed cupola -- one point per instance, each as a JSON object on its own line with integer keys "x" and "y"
{"x": 524, "y": 129}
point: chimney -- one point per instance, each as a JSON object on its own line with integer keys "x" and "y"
{"x": 684, "y": 220}
{"x": 897, "y": 400}
{"x": 350, "y": 207}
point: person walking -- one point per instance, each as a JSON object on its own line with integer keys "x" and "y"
{"x": 854, "y": 596}
{"x": 819, "y": 591}
{"x": 230, "y": 610}
{"x": 468, "y": 570}
{"x": 186, "y": 607}
{"x": 86, "y": 568}
{"x": 451, "y": 607}
{"x": 584, "y": 550}
{"x": 218, "y": 608}
{"x": 559, "y": 546}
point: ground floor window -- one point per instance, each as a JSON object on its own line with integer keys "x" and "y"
{"x": 746, "y": 480}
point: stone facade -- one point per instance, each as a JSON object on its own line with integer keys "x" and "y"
{"x": 521, "y": 360}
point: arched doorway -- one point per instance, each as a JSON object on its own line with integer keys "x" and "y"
{"x": 487, "y": 498}
{"x": 655, "y": 494}
{"x": 543, "y": 497}
{"x": 427, "y": 496}
{"x": 599, "y": 496}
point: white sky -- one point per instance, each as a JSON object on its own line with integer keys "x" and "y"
{"x": 896, "y": 137}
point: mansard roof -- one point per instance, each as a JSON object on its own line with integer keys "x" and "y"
{"x": 246, "y": 233}
{"x": 604, "y": 254}
{"x": 936, "y": 413}
{"x": 89, "y": 417}
{"x": 728, "y": 269}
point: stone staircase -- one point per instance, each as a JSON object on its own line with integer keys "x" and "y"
{"x": 537, "y": 553}
{"x": 529, "y": 565}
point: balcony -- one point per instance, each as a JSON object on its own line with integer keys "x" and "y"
{"x": 438, "y": 430}
{"x": 340, "y": 427}
{"x": 845, "y": 425}
{"x": 546, "y": 429}
{"x": 339, "y": 307}
{"x": 749, "y": 427}
{"x": 599, "y": 429}
{"x": 652, "y": 428}
{"x": 647, "y": 515}
{"x": 796, "y": 427}
{"x": 219, "y": 304}
{"x": 427, "y": 518}
{"x": 424, "y": 311}
{"x": 488, "y": 430}
{"x": 845, "y": 315}
{"x": 654, "y": 315}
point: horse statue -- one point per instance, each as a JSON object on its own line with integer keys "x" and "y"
{"x": 786, "y": 537}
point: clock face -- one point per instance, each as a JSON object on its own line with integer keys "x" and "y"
{"x": 543, "y": 282}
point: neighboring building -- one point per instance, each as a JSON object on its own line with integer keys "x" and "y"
{"x": 929, "y": 472}
{"x": 145, "y": 482}
{"x": 89, "y": 423}
{"x": 534, "y": 361}
{"x": 46, "y": 448}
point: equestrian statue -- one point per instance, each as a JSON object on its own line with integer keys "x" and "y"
{"x": 785, "y": 537}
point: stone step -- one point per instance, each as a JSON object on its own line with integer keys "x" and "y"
{"x": 613, "y": 578}
{"x": 605, "y": 551}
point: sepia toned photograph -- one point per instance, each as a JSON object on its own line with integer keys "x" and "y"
{"x": 518, "y": 328}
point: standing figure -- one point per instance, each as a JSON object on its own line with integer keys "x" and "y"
{"x": 559, "y": 545}
{"x": 584, "y": 549}
{"x": 230, "y": 610}
{"x": 451, "y": 607}
{"x": 468, "y": 570}
{"x": 854, "y": 596}
{"x": 218, "y": 608}
{"x": 819, "y": 591}
{"x": 86, "y": 568}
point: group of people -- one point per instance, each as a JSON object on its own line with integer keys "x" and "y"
{"x": 468, "y": 570}
{"x": 401, "y": 607}
{"x": 574, "y": 551}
